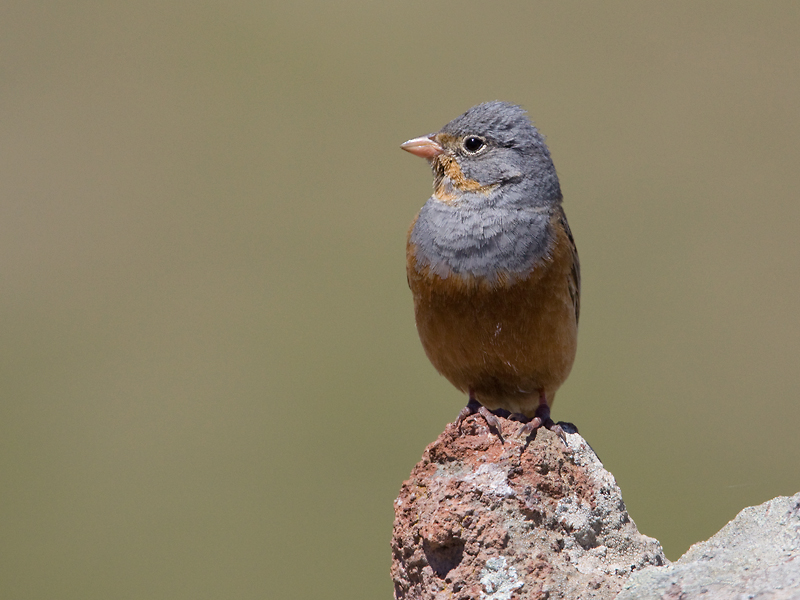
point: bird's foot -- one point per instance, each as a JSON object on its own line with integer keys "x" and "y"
{"x": 474, "y": 407}
{"x": 542, "y": 419}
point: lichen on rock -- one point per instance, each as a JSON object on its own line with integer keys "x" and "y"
{"x": 491, "y": 519}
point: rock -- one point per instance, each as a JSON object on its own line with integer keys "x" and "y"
{"x": 481, "y": 518}
{"x": 755, "y": 556}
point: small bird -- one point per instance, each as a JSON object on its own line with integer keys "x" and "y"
{"x": 493, "y": 268}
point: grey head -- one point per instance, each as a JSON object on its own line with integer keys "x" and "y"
{"x": 495, "y": 190}
{"x": 495, "y": 144}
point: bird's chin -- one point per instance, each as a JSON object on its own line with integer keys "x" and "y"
{"x": 447, "y": 192}
{"x": 450, "y": 198}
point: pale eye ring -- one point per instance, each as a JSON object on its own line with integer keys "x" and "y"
{"x": 473, "y": 144}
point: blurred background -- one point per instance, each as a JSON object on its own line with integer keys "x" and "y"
{"x": 210, "y": 381}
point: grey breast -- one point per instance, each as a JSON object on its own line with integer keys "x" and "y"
{"x": 480, "y": 241}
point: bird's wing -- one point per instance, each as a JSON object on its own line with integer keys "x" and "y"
{"x": 575, "y": 273}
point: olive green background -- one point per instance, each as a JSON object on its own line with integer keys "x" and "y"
{"x": 210, "y": 381}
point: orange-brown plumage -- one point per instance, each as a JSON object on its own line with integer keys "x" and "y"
{"x": 508, "y": 341}
{"x": 493, "y": 267}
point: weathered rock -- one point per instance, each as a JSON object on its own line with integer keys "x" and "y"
{"x": 479, "y": 518}
{"x": 755, "y": 556}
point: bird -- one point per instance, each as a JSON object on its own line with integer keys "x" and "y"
{"x": 493, "y": 267}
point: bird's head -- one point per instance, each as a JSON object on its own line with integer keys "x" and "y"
{"x": 490, "y": 155}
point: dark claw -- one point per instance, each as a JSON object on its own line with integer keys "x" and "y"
{"x": 492, "y": 421}
{"x": 531, "y": 426}
{"x": 470, "y": 409}
{"x": 474, "y": 407}
{"x": 556, "y": 428}
{"x": 542, "y": 419}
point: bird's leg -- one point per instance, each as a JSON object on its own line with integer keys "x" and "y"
{"x": 475, "y": 407}
{"x": 542, "y": 419}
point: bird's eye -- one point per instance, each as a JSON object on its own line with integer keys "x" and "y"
{"x": 473, "y": 144}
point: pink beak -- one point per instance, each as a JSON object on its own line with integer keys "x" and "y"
{"x": 424, "y": 147}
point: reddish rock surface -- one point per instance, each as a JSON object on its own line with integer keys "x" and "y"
{"x": 481, "y": 518}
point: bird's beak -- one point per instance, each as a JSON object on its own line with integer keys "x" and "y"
{"x": 424, "y": 147}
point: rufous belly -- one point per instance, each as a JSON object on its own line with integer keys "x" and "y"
{"x": 504, "y": 342}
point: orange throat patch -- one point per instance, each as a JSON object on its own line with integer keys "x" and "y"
{"x": 450, "y": 183}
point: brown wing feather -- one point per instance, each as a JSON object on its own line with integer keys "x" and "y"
{"x": 575, "y": 273}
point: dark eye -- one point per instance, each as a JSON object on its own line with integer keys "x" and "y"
{"x": 473, "y": 144}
